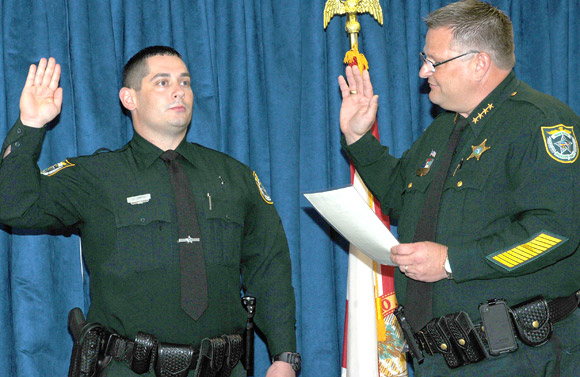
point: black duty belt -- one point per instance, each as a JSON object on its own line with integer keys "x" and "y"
{"x": 461, "y": 342}
{"x": 94, "y": 348}
{"x": 215, "y": 356}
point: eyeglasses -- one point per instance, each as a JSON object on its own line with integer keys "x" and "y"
{"x": 432, "y": 65}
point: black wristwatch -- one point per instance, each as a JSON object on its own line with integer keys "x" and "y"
{"x": 292, "y": 358}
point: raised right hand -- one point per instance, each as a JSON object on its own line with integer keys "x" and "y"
{"x": 41, "y": 98}
{"x": 358, "y": 110}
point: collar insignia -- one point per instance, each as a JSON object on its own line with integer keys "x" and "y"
{"x": 263, "y": 192}
{"x": 477, "y": 151}
{"x": 483, "y": 113}
{"x": 561, "y": 143}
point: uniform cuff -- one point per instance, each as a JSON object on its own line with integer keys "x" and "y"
{"x": 364, "y": 151}
{"x": 24, "y": 140}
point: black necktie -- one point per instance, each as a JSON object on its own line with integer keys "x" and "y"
{"x": 419, "y": 299}
{"x": 194, "y": 299}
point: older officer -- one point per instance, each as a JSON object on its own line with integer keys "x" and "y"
{"x": 486, "y": 205}
{"x": 123, "y": 204}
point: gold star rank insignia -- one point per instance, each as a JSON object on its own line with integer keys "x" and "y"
{"x": 477, "y": 151}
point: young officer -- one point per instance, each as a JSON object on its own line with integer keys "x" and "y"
{"x": 158, "y": 287}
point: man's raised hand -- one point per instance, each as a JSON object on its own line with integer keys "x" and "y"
{"x": 41, "y": 98}
{"x": 359, "y": 105}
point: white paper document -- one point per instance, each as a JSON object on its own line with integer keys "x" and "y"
{"x": 347, "y": 212}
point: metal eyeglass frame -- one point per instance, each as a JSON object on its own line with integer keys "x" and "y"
{"x": 433, "y": 65}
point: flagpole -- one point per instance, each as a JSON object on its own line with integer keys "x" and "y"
{"x": 372, "y": 334}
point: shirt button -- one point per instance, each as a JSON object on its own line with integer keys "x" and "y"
{"x": 17, "y": 144}
{"x": 19, "y": 130}
{"x": 142, "y": 219}
{"x": 228, "y": 217}
{"x": 460, "y": 183}
{"x": 410, "y": 185}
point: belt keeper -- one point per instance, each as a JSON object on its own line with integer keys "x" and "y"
{"x": 233, "y": 350}
{"x": 112, "y": 348}
{"x": 219, "y": 347}
{"x": 424, "y": 342}
{"x": 144, "y": 353}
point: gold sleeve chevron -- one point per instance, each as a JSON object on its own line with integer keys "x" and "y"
{"x": 521, "y": 254}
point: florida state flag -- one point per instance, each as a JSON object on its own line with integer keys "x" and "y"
{"x": 372, "y": 336}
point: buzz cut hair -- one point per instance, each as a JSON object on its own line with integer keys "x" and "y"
{"x": 479, "y": 26}
{"x": 136, "y": 68}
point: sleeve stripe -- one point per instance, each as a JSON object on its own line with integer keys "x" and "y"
{"x": 526, "y": 252}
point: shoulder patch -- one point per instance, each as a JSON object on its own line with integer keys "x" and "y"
{"x": 519, "y": 255}
{"x": 561, "y": 143}
{"x": 263, "y": 192}
{"x": 51, "y": 170}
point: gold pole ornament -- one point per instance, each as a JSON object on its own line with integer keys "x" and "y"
{"x": 351, "y": 8}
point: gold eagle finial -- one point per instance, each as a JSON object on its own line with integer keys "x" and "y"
{"x": 352, "y": 7}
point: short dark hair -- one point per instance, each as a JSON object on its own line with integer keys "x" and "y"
{"x": 136, "y": 68}
{"x": 478, "y": 26}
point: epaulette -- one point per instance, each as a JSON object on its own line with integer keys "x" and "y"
{"x": 101, "y": 150}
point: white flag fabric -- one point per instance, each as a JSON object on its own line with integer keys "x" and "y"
{"x": 361, "y": 355}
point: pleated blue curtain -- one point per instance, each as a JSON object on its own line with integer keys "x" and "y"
{"x": 264, "y": 77}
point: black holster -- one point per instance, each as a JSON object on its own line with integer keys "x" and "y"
{"x": 86, "y": 359}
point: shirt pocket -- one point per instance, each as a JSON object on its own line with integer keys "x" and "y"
{"x": 413, "y": 200}
{"x": 470, "y": 201}
{"x": 223, "y": 231}
{"x": 144, "y": 238}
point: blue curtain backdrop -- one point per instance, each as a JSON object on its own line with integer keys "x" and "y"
{"x": 264, "y": 76}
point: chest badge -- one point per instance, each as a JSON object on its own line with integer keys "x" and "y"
{"x": 422, "y": 171}
{"x": 561, "y": 143}
{"x": 477, "y": 151}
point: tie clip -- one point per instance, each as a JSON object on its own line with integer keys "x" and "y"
{"x": 189, "y": 239}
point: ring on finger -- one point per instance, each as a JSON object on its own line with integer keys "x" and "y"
{"x": 353, "y": 92}
{"x": 406, "y": 269}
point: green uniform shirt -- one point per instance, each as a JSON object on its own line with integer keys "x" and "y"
{"x": 122, "y": 203}
{"x": 508, "y": 214}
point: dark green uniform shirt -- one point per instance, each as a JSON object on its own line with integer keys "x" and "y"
{"x": 510, "y": 214}
{"x": 122, "y": 203}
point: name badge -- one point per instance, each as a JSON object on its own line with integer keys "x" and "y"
{"x": 139, "y": 199}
